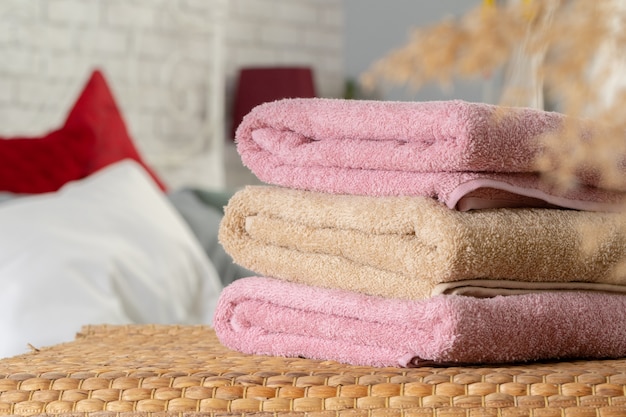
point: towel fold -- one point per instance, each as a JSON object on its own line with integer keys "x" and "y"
{"x": 467, "y": 155}
{"x": 490, "y": 288}
{"x": 267, "y": 316}
{"x": 403, "y": 247}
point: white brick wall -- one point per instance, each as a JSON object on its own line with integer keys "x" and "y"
{"x": 279, "y": 32}
{"x": 157, "y": 57}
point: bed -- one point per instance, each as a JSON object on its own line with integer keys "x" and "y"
{"x": 92, "y": 233}
{"x": 111, "y": 180}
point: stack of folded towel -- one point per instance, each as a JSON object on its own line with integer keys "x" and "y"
{"x": 405, "y": 234}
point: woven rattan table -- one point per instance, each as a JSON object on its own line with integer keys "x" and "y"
{"x": 179, "y": 370}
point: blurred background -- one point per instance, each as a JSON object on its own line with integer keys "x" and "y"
{"x": 176, "y": 66}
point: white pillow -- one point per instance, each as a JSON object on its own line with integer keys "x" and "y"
{"x": 106, "y": 249}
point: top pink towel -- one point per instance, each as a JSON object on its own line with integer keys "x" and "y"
{"x": 467, "y": 155}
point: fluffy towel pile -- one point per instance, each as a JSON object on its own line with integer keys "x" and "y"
{"x": 413, "y": 247}
{"x": 467, "y": 155}
{"x": 272, "y": 317}
{"x": 365, "y": 264}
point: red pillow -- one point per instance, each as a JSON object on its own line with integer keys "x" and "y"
{"x": 41, "y": 165}
{"x": 96, "y": 112}
{"x": 93, "y": 136}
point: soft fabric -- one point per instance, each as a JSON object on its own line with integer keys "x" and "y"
{"x": 106, "y": 249}
{"x": 93, "y": 136}
{"x": 33, "y": 165}
{"x": 405, "y": 246}
{"x": 495, "y": 287}
{"x": 467, "y": 155}
{"x": 202, "y": 211}
{"x": 266, "y": 316}
{"x": 6, "y": 196}
{"x": 96, "y": 113}
{"x": 203, "y": 215}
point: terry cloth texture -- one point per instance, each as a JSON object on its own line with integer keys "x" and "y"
{"x": 403, "y": 247}
{"x": 272, "y": 317}
{"x": 467, "y": 155}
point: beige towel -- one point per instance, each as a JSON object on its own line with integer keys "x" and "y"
{"x": 405, "y": 247}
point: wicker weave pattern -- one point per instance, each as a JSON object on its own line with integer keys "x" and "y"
{"x": 174, "y": 370}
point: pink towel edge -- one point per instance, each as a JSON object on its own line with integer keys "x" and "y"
{"x": 457, "y": 199}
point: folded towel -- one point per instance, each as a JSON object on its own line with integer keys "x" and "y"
{"x": 467, "y": 155}
{"x": 404, "y": 246}
{"x": 266, "y": 316}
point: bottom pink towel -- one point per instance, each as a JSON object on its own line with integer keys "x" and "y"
{"x": 268, "y": 316}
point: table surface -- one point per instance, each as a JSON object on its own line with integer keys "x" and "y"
{"x": 184, "y": 370}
